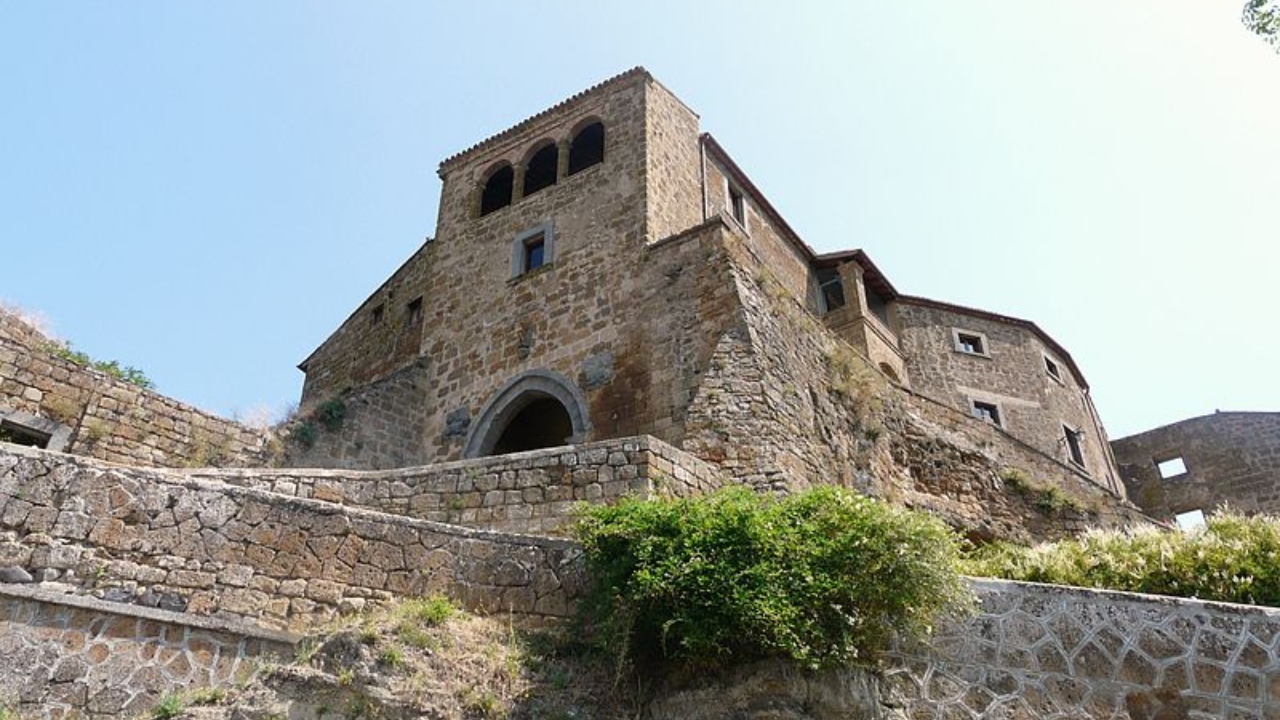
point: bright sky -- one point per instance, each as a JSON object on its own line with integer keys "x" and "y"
{"x": 206, "y": 190}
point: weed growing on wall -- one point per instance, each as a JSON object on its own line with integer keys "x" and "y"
{"x": 1233, "y": 559}
{"x": 127, "y": 373}
{"x": 825, "y": 577}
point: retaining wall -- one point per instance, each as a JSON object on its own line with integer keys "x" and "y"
{"x": 532, "y": 491}
{"x": 65, "y": 656}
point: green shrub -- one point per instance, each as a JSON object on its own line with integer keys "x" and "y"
{"x": 331, "y": 414}
{"x": 1232, "y": 559}
{"x": 113, "y": 368}
{"x": 825, "y": 577}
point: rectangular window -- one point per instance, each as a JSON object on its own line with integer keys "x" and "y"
{"x": 831, "y": 289}
{"x": 990, "y": 412}
{"x": 376, "y": 315}
{"x": 970, "y": 343}
{"x": 534, "y": 254}
{"x": 1074, "y": 451}
{"x": 1173, "y": 467}
{"x": 413, "y": 312}
{"x": 12, "y": 432}
{"x": 1051, "y": 367}
{"x": 738, "y": 205}
{"x": 1190, "y": 520}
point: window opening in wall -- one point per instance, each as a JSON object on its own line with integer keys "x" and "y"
{"x": 1051, "y": 367}
{"x": 1190, "y": 520}
{"x": 497, "y": 190}
{"x": 413, "y": 312}
{"x": 378, "y": 311}
{"x": 737, "y": 205}
{"x": 586, "y": 148}
{"x": 830, "y": 289}
{"x": 988, "y": 412}
{"x": 534, "y": 254}
{"x": 971, "y": 343}
{"x": 541, "y": 171}
{"x": 1173, "y": 467}
{"x": 887, "y": 369}
{"x": 877, "y": 305}
{"x": 1074, "y": 450}
{"x": 12, "y": 432}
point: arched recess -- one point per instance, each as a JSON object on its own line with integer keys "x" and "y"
{"x": 543, "y": 398}
{"x": 587, "y": 147}
{"x": 541, "y": 168}
{"x": 497, "y": 190}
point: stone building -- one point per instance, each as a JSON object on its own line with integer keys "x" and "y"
{"x": 603, "y": 269}
{"x": 1190, "y": 468}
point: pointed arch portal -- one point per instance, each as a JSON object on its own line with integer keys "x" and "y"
{"x": 537, "y": 409}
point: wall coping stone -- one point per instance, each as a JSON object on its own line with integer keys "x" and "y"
{"x": 203, "y": 622}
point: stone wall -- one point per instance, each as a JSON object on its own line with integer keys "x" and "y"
{"x": 67, "y": 656}
{"x": 1231, "y": 458}
{"x": 1052, "y": 653}
{"x": 530, "y": 492}
{"x": 156, "y": 537}
{"x": 1010, "y": 373}
{"x": 87, "y": 412}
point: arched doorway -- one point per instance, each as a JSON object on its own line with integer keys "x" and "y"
{"x": 536, "y": 409}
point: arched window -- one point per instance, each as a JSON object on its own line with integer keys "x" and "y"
{"x": 541, "y": 170}
{"x": 497, "y": 190}
{"x": 587, "y": 148}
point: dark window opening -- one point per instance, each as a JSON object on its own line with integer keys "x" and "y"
{"x": 1051, "y": 367}
{"x": 971, "y": 344}
{"x": 587, "y": 148}
{"x": 887, "y": 369}
{"x": 878, "y": 306}
{"x": 497, "y": 190}
{"x": 831, "y": 289}
{"x": 541, "y": 172}
{"x": 988, "y": 412}
{"x": 535, "y": 252}
{"x": 738, "y": 206}
{"x": 1074, "y": 451}
{"x": 413, "y": 312}
{"x": 12, "y": 432}
{"x": 378, "y": 311}
{"x": 542, "y": 423}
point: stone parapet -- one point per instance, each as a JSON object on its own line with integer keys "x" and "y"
{"x": 1057, "y": 653}
{"x": 65, "y": 656}
{"x": 153, "y": 536}
{"x": 530, "y": 492}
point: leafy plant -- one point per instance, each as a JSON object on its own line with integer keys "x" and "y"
{"x": 824, "y": 577}
{"x": 331, "y": 414}
{"x": 1233, "y": 559}
{"x": 171, "y": 705}
{"x": 127, "y": 373}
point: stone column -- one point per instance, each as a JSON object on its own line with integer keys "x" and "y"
{"x": 562, "y": 159}
{"x": 474, "y": 199}
{"x": 855, "y": 295}
{"x": 517, "y": 181}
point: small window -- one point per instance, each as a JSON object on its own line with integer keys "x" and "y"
{"x": 532, "y": 249}
{"x": 1074, "y": 450}
{"x": 12, "y": 432}
{"x": 970, "y": 343}
{"x": 587, "y": 148}
{"x": 1051, "y": 367}
{"x": 497, "y": 190}
{"x": 413, "y": 312}
{"x": 541, "y": 171}
{"x": 378, "y": 311}
{"x": 737, "y": 205}
{"x": 830, "y": 289}
{"x": 1190, "y": 520}
{"x": 1173, "y": 467}
{"x": 989, "y": 412}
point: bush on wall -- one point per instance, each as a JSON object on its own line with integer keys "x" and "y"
{"x": 824, "y": 577}
{"x": 1232, "y": 559}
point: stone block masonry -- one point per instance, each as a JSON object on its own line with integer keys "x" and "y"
{"x": 1054, "y": 653}
{"x": 221, "y": 550}
{"x": 87, "y": 412}
{"x": 530, "y": 492}
{"x": 64, "y": 656}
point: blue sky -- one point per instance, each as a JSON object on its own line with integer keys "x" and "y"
{"x": 206, "y": 190}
